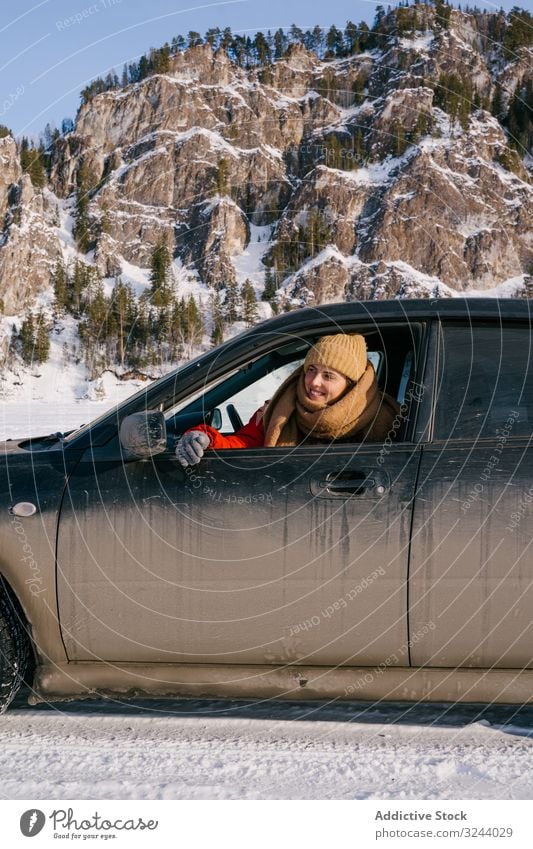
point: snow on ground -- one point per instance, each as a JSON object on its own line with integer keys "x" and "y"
{"x": 56, "y": 395}
{"x": 65, "y": 229}
{"x": 187, "y": 282}
{"x": 421, "y": 41}
{"x": 248, "y": 265}
{"x": 508, "y": 289}
{"x": 136, "y": 277}
{"x": 181, "y": 749}
{"x": 374, "y": 174}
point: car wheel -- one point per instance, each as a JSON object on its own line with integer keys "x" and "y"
{"x": 14, "y": 651}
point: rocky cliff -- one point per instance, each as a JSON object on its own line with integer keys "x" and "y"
{"x": 379, "y": 174}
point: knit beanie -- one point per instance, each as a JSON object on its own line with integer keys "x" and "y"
{"x": 342, "y": 352}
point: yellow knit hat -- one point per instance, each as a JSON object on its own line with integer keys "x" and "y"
{"x": 342, "y": 352}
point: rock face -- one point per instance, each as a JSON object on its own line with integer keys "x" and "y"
{"x": 379, "y": 182}
{"x": 10, "y": 172}
{"x": 29, "y": 247}
{"x": 455, "y": 215}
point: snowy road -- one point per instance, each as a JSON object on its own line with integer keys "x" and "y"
{"x": 245, "y": 750}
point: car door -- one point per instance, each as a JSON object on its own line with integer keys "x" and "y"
{"x": 255, "y": 556}
{"x": 471, "y": 579}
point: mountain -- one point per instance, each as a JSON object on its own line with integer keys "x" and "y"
{"x": 396, "y": 169}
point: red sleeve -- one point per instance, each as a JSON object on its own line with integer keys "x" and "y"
{"x": 251, "y": 435}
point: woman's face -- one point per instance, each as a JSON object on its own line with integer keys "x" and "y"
{"x": 324, "y": 384}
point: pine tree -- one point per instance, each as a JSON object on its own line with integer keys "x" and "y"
{"x": 359, "y": 148}
{"x": 519, "y": 121}
{"x": 124, "y": 314}
{"x": 194, "y": 39}
{"x": 317, "y": 39}
{"x": 212, "y": 37}
{"x": 519, "y": 31}
{"x": 160, "y": 276}
{"x": 225, "y": 41}
{"x": 60, "y": 285}
{"x": 105, "y": 220}
{"x": 296, "y": 34}
{"x": 262, "y": 49}
{"x": 67, "y": 125}
{"x": 42, "y": 340}
{"x": 222, "y": 177}
{"x": 270, "y": 286}
{"x": 27, "y": 338}
{"x": 250, "y": 312}
{"x": 496, "y": 106}
{"x": 334, "y": 43}
{"x": 455, "y": 95}
{"x": 280, "y": 43}
{"x": 193, "y": 326}
{"x": 217, "y": 313}
{"x": 79, "y": 284}
{"x": 317, "y": 234}
{"x": 140, "y": 332}
{"x": 334, "y": 157}
{"x": 160, "y": 60}
{"x": 31, "y": 161}
{"x": 82, "y": 229}
{"x": 162, "y": 324}
{"x": 176, "y": 334}
{"x": 48, "y": 136}
{"x": 143, "y": 68}
{"x": 442, "y": 14}
{"x": 351, "y": 38}
{"x": 399, "y": 138}
{"x": 364, "y": 36}
{"x": 98, "y": 314}
{"x": 232, "y": 303}
{"x": 270, "y": 290}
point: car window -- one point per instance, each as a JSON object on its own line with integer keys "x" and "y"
{"x": 249, "y": 399}
{"x": 485, "y": 382}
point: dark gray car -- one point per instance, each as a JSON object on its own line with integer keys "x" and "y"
{"x": 399, "y": 570}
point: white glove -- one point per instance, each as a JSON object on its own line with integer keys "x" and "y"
{"x": 190, "y": 449}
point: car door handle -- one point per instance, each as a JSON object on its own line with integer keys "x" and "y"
{"x": 348, "y": 483}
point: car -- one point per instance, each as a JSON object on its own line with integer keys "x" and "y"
{"x": 400, "y": 569}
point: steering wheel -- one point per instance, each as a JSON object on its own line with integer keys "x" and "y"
{"x": 234, "y": 417}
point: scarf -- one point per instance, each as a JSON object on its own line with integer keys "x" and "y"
{"x": 291, "y": 417}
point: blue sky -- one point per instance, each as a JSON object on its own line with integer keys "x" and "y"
{"x": 50, "y": 49}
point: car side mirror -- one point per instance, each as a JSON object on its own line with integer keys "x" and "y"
{"x": 143, "y": 435}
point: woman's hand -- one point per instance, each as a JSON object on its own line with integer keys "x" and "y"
{"x": 190, "y": 449}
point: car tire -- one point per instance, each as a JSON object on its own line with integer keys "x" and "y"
{"x": 14, "y": 651}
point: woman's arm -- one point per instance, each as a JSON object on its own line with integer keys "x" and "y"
{"x": 251, "y": 435}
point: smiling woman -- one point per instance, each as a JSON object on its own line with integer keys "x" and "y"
{"x": 323, "y": 383}
{"x": 334, "y": 396}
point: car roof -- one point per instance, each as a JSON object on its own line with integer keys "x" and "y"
{"x": 400, "y": 309}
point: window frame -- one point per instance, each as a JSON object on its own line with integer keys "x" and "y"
{"x": 417, "y": 329}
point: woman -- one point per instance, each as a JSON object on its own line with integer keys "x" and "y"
{"x": 334, "y": 396}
